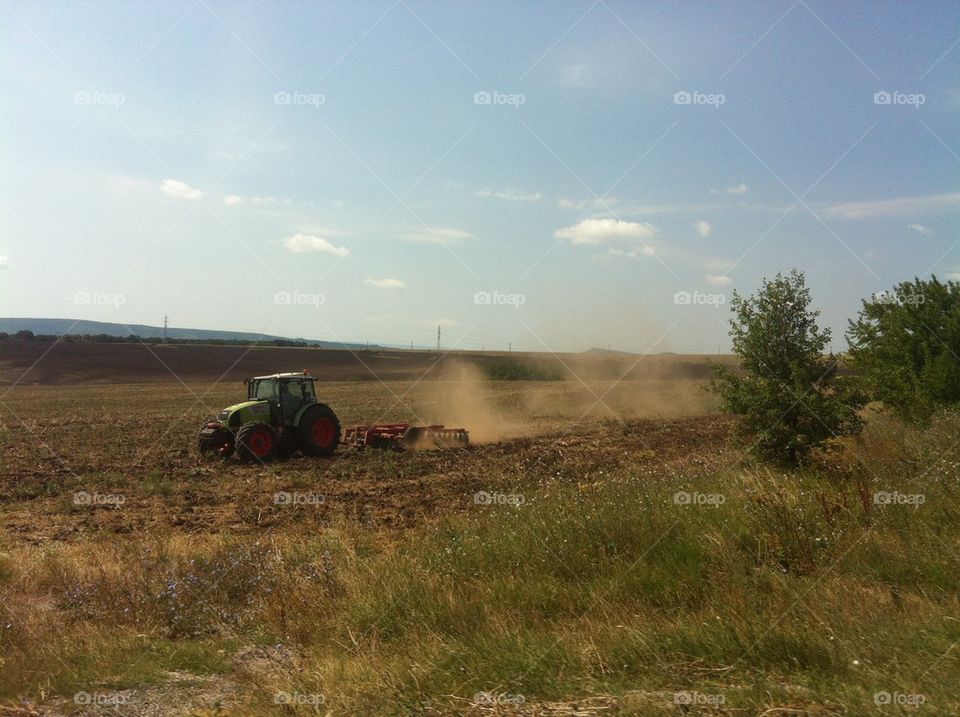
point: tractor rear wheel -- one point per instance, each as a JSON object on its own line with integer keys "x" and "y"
{"x": 319, "y": 431}
{"x": 257, "y": 442}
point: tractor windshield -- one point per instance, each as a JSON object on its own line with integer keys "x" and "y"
{"x": 265, "y": 388}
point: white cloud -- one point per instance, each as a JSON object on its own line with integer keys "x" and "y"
{"x": 896, "y": 207}
{"x": 632, "y": 253}
{"x": 594, "y": 203}
{"x": 953, "y": 276}
{"x": 703, "y": 228}
{"x": 232, "y": 199}
{"x": 180, "y": 190}
{"x": 718, "y": 279}
{"x": 4, "y": 261}
{"x": 386, "y": 283}
{"x": 308, "y": 242}
{"x": 437, "y": 235}
{"x": 600, "y": 231}
{"x": 510, "y": 195}
{"x": 920, "y": 229}
{"x": 735, "y": 189}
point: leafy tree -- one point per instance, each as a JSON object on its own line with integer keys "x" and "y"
{"x": 905, "y": 345}
{"x": 786, "y": 390}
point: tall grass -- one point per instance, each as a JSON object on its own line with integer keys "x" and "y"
{"x": 753, "y": 588}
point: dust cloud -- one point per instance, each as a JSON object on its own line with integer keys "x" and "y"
{"x": 466, "y": 399}
{"x": 591, "y": 388}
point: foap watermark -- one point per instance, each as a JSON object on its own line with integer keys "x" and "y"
{"x": 99, "y": 298}
{"x": 285, "y": 498}
{"x": 690, "y": 697}
{"x": 712, "y": 500}
{"x": 914, "y": 99}
{"x": 114, "y": 500}
{"x": 100, "y": 99}
{"x": 882, "y": 497}
{"x": 491, "y": 699}
{"x": 698, "y": 98}
{"x": 698, "y": 298}
{"x": 486, "y": 498}
{"x": 296, "y": 298}
{"x": 899, "y": 299}
{"x": 301, "y": 99}
{"x": 299, "y": 698}
{"x": 105, "y": 699}
{"x": 499, "y": 98}
{"x": 912, "y": 699}
{"x": 497, "y": 298}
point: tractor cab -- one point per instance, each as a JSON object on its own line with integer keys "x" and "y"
{"x": 287, "y": 393}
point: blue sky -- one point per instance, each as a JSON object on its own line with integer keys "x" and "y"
{"x": 550, "y": 175}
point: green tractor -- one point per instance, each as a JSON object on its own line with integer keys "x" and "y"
{"x": 280, "y": 417}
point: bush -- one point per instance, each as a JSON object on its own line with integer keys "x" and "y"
{"x": 905, "y": 344}
{"x": 788, "y": 395}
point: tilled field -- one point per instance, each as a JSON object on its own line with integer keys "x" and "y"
{"x": 103, "y": 466}
{"x": 89, "y": 462}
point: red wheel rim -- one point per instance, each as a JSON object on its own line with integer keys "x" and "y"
{"x": 260, "y": 443}
{"x": 322, "y": 431}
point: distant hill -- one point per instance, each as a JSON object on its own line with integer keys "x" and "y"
{"x": 61, "y": 327}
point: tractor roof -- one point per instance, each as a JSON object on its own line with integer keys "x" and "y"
{"x": 302, "y": 375}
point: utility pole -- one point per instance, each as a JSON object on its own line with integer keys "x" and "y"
{"x": 164, "y": 328}
{"x": 411, "y": 344}
{"x": 510, "y": 347}
{"x": 438, "y": 339}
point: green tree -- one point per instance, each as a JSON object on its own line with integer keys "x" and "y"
{"x": 786, "y": 391}
{"x": 905, "y": 346}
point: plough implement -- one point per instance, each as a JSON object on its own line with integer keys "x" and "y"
{"x": 405, "y": 437}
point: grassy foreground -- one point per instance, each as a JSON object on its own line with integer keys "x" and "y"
{"x": 829, "y": 591}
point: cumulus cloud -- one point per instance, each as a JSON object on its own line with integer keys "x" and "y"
{"x": 436, "y": 235}
{"x": 601, "y": 231}
{"x": 386, "y": 283}
{"x": 308, "y": 242}
{"x": 232, "y": 199}
{"x": 510, "y": 195}
{"x": 718, "y": 279}
{"x": 703, "y": 228}
{"x": 895, "y": 207}
{"x": 180, "y": 190}
{"x": 920, "y": 229}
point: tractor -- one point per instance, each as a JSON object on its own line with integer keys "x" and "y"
{"x": 280, "y": 417}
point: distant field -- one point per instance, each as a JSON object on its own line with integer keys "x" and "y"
{"x": 77, "y": 363}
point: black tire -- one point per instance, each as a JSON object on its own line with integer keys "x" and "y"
{"x": 217, "y": 441}
{"x": 319, "y": 431}
{"x": 257, "y": 442}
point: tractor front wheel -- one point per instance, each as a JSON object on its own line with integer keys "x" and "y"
{"x": 319, "y": 431}
{"x": 214, "y": 438}
{"x": 257, "y": 442}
